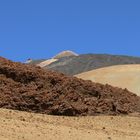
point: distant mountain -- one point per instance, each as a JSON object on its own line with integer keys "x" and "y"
{"x": 71, "y": 63}
{"x": 65, "y": 54}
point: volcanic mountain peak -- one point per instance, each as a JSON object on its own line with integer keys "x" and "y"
{"x": 65, "y": 54}
{"x": 84, "y": 62}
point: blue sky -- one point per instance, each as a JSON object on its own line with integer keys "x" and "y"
{"x": 42, "y": 28}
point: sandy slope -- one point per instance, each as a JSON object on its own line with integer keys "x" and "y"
{"x": 47, "y": 62}
{"x": 124, "y": 76}
{"x": 16, "y": 125}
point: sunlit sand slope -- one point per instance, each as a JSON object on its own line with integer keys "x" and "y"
{"x": 15, "y": 125}
{"x": 124, "y": 76}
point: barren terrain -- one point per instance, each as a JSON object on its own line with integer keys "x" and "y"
{"x": 32, "y": 89}
{"x": 17, "y": 125}
{"x": 72, "y": 64}
{"x": 124, "y": 76}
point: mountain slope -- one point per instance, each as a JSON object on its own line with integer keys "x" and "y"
{"x": 72, "y": 65}
{"x": 28, "y": 88}
{"x": 124, "y": 76}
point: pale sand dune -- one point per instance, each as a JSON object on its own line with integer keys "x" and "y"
{"x": 15, "y": 125}
{"x": 124, "y": 76}
{"x": 47, "y": 62}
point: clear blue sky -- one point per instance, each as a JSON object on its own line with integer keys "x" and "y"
{"x": 42, "y": 28}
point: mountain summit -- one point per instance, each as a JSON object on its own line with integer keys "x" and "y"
{"x": 65, "y": 54}
{"x": 70, "y": 63}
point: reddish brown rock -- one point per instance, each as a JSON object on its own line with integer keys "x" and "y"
{"x": 29, "y": 88}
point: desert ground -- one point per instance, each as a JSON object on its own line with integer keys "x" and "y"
{"x": 124, "y": 76}
{"x": 16, "y": 125}
{"x": 33, "y": 89}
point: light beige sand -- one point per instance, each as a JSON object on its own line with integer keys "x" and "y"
{"x": 16, "y": 125}
{"x": 124, "y": 76}
{"x": 47, "y": 62}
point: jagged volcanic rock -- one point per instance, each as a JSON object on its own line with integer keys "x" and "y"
{"x": 29, "y": 88}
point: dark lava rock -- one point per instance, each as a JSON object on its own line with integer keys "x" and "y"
{"x": 32, "y": 89}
